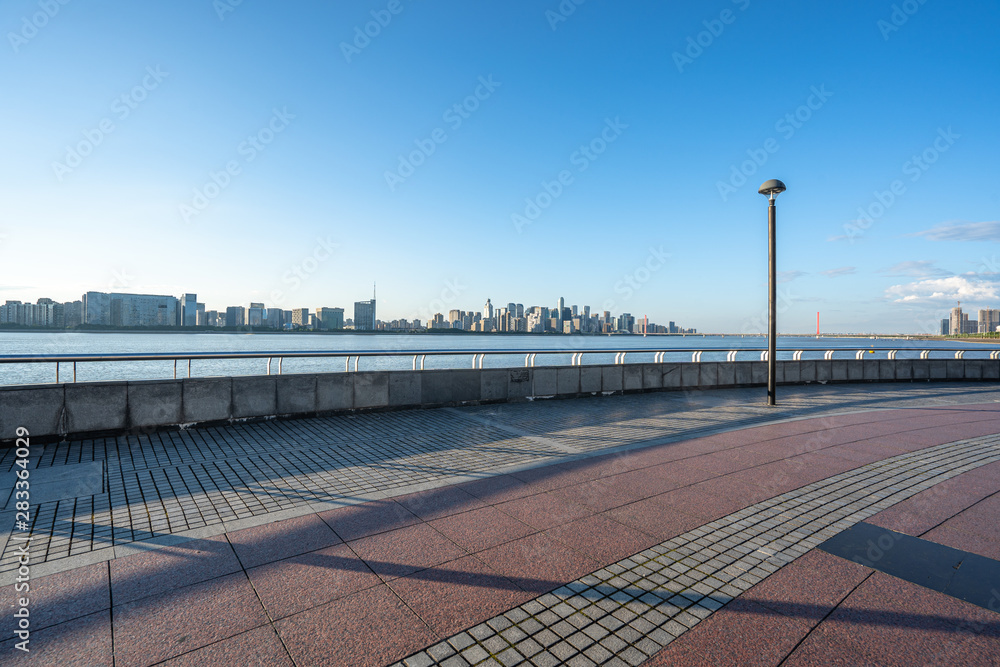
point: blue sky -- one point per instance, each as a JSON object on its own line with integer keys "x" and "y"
{"x": 276, "y": 153}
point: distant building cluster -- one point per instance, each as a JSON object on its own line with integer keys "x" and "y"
{"x": 541, "y": 319}
{"x": 959, "y": 323}
{"x": 45, "y": 313}
{"x": 118, "y": 310}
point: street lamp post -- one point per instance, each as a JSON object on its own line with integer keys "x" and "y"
{"x": 771, "y": 189}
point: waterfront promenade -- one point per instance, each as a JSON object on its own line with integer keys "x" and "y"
{"x": 682, "y": 527}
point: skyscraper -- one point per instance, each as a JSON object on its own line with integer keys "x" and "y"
{"x": 956, "y": 321}
{"x": 989, "y": 320}
{"x": 300, "y": 317}
{"x": 364, "y": 315}
{"x": 330, "y": 319}
{"x": 236, "y": 316}
{"x": 189, "y": 310}
{"x": 255, "y": 315}
{"x": 488, "y": 316}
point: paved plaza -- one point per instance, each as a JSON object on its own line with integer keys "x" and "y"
{"x": 696, "y": 527}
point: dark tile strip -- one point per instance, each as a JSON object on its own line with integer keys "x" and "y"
{"x": 960, "y": 574}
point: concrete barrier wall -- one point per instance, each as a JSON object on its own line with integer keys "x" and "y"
{"x": 52, "y": 411}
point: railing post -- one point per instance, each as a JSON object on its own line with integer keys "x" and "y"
{"x": 57, "y": 372}
{"x": 175, "y": 369}
{"x": 280, "y": 362}
{"x": 269, "y": 365}
{"x": 74, "y": 372}
{"x": 189, "y": 368}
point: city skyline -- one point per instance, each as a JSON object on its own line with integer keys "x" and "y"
{"x": 147, "y": 310}
{"x": 125, "y": 310}
{"x": 282, "y": 155}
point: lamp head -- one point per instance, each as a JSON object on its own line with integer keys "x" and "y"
{"x": 771, "y": 188}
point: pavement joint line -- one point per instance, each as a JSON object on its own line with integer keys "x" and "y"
{"x": 247, "y": 472}
{"x": 683, "y": 601}
{"x": 492, "y": 423}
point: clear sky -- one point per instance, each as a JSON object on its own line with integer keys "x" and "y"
{"x": 264, "y": 151}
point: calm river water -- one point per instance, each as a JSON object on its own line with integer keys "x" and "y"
{"x": 65, "y": 343}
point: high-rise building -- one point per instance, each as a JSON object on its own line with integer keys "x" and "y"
{"x": 72, "y": 314}
{"x": 236, "y": 316}
{"x": 96, "y": 308}
{"x": 300, "y": 317}
{"x": 364, "y": 315}
{"x": 488, "y": 316}
{"x": 274, "y": 318}
{"x": 200, "y": 315}
{"x": 989, "y": 320}
{"x": 955, "y": 322}
{"x": 945, "y": 326}
{"x": 130, "y": 310}
{"x": 189, "y": 310}
{"x": 330, "y": 319}
{"x": 12, "y": 312}
{"x": 255, "y": 315}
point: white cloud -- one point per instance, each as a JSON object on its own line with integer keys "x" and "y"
{"x": 789, "y": 276}
{"x": 921, "y": 269}
{"x": 946, "y": 290}
{"x": 963, "y": 231}
{"x": 842, "y": 271}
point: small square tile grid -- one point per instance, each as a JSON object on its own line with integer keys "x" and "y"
{"x": 173, "y": 481}
{"x": 626, "y": 612}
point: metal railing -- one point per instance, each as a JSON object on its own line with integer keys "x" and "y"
{"x": 479, "y": 355}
